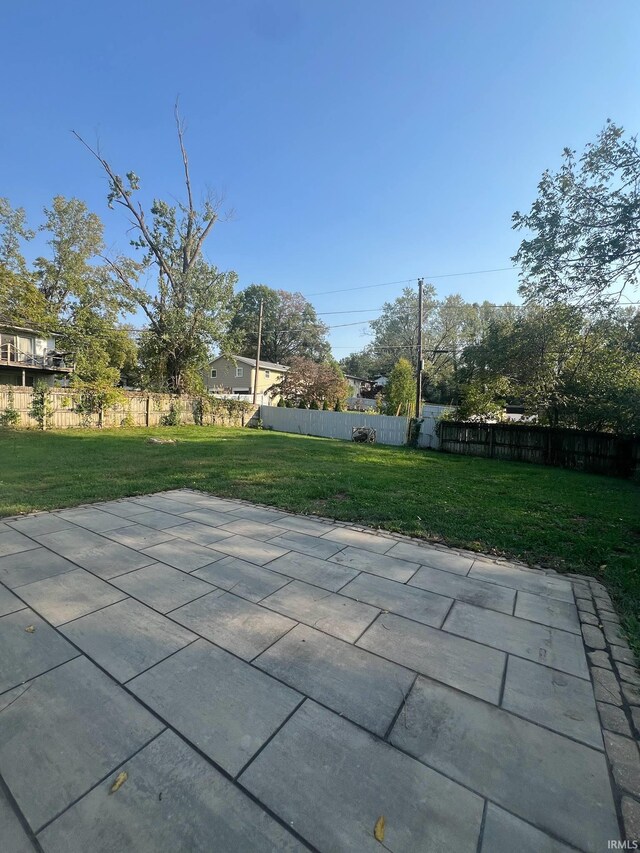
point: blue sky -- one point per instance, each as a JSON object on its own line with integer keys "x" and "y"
{"x": 358, "y": 141}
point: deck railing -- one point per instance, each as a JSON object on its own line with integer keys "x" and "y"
{"x": 49, "y": 360}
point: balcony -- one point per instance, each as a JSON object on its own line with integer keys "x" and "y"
{"x": 50, "y": 361}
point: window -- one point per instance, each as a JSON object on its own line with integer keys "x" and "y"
{"x": 214, "y": 373}
{"x": 267, "y": 374}
{"x": 239, "y": 372}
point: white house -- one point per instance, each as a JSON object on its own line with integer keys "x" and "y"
{"x": 27, "y": 355}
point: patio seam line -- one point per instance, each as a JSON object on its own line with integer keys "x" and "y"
{"x": 266, "y": 649}
{"x": 99, "y": 782}
{"x": 162, "y": 660}
{"x": 273, "y": 734}
{"x": 364, "y": 630}
{"x": 503, "y": 683}
{"x": 191, "y": 601}
{"x": 46, "y": 671}
{"x": 515, "y": 604}
{"x": 319, "y": 702}
{"x": 482, "y": 824}
{"x": 402, "y": 704}
{"x": 97, "y": 610}
{"x": 284, "y": 585}
{"x": 15, "y": 808}
{"x": 74, "y": 568}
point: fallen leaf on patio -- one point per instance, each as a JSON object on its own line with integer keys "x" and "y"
{"x": 30, "y": 629}
{"x": 378, "y": 829}
{"x": 121, "y": 778}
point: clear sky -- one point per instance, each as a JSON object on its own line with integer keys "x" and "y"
{"x": 359, "y": 141}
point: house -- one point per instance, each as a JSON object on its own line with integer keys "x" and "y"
{"x": 235, "y": 374}
{"x": 356, "y": 385}
{"x": 27, "y": 355}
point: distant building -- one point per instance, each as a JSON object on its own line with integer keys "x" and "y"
{"x": 27, "y": 355}
{"x": 235, "y": 375}
{"x": 357, "y": 385}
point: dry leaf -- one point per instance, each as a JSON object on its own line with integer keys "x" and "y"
{"x": 121, "y": 778}
{"x": 378, "y": 829}
{"x": 30, "y": 629}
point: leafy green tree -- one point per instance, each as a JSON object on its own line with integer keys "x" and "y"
{"x": 189, "y": 309}
{"x": 290, "y": 326}
{"x": 400, "y": 391}
{"x": 585, "y": 225}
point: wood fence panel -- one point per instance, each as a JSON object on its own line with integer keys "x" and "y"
{"x": 598, "y": 452}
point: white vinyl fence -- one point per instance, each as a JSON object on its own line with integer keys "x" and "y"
{"x": 389, "y": 429}
{"x": 431, "y": 414}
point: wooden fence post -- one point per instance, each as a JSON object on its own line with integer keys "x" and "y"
{"x": 491, "y": 439}
{"x": 147, "y": 410}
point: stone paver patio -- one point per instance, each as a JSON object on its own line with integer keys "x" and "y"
{"x": 278, "y": 682}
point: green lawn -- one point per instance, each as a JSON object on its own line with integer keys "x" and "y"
{"x": 563, "y": 519}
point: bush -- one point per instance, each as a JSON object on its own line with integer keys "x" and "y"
{"x": 338, "y": 406}
{"x": 289, "y": 404}
{"x": 314, "y": 405}
{"x": 302, "y": 404}
{"x": 172, "y": 418}
{"x": 11, "y": 416}
{"x": 325, "y": 406}
{"x": 41, "y": 410}
{"x": 281, "y": 403}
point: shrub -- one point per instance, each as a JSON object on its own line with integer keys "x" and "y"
{"x": 325, "y": 406}
{"x": 314, "y": 405}
{"x": 11, "y": 416}
{"x": 302, "y": 404}
{"x": 281, "y": 403}
{"x": 41, "y": 409}
{"x": 172, "y": 418}
{"x": 338, "y": 406}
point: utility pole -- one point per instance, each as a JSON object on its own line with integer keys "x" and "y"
{"x": 257, "y": 373}
{"x": 420, "y": 364}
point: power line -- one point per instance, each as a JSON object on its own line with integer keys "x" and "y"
{"x": 409, "y": 280}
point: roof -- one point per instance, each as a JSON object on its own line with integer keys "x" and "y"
{"x": 269, "y": 365}
{"x": 15, "y": 328}
{"x": 357, "y": 378}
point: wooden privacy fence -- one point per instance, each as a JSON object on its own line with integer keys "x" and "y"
{"x": 599, "y": 452}
{"x": 138, "y": 409}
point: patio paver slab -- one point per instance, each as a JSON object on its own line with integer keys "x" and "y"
{"x": 29, "y": 566}
{"x": 13, "y": 836}
{"x": 312, "y": 570}
{"x": 174, "y": 800}
{"x": 550, "y": 646}
{"x": 201, "y": 534}
{"x": 505, "y": 833}
{"x": 417, "y": 604}
{"x": 224, "y": 706}
{"x": 241, "y": 627}
{"x": 93, "y": 552}
{"x": 127, "y": 638}
{"x": 9, "y": 603}
{"x": 383, "y": 565}
{"x": 244, "y": 579}
{"x": 351, "y": 681}
{"x": 33, "y": 525}
{"x": 559, "y": 785}
{"x": 248, "y": 549}
{"x": 68, "y": 596}
{"x": 368, "y": 541}
{"x": 468, "y": 666}
{"x": 162, "y": 587}
{"x": 182, "y": 554}
{"x": 350, "y": 780}
{"x": 137, "y": 536}
{"x": 554, "y": 699}
{"x": 314, "y": 546}
{"x": 27, "y": 654}
{"x": 159, "y": 520}
{"x": 334, "y": 614}
{"x": 515, "y": 578}
{"x": 547, "y": 611}
{"x": 482, "y": 594}
{"x": 62, "y": 735}
{"x": 14, "y": 542}
{"x": 426, "y": 555}
{"x": 94, "y": 519}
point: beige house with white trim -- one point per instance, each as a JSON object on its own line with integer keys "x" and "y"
{"x": 235, "y": 375}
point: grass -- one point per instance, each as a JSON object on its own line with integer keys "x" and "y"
{"x": 560, "y": 519}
